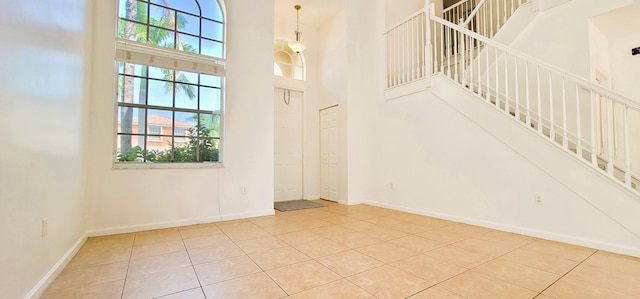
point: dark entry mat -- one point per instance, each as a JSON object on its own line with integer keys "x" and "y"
{"x": 293, "y": 205}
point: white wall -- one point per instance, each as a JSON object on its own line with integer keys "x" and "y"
{"x": 625, "y": 68}
{"x": 560, "y": 35}
{"x": 599, "y": 54}
{"x": 396, "y": 11}
{"x": 455, "y": 165}
{"x": 333, "y": 63}
{"x": 356, "y": 126}
{"x": 134, "y": 199}
{"x": 43, "y": 54}
{"x": 344, "y": 60}
{"x": 619, "y": 34}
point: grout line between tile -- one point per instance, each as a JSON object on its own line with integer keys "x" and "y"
{"x": 563, "y": 275}
{"x": 179, "y": 292}
{"x": 269, "y": 275}
{"x": 493, "y": 259}
{"x": 126, "y": 274}
{"x": 192, "y": 265}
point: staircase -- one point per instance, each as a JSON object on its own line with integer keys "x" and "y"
{"x": 589, "y": 123}
{"x": 586, "y": 120}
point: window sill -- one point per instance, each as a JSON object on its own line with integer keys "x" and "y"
{"x": 139, "y": 165}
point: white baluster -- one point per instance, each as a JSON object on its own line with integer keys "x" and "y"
{"x": 578, "y": 123}
{"x": 528, "y": 98}
{"x": 428, "y": 45}
{"x": 610, "y": 138}
{"x": 456, "y": 48}
{"x": 506, "y": 84}
{"x": 504, "y": 17}
{"x": 469, "y": 41}
{"x": 491, "y": 21}
{"x": 488, "y": 95}
{"x": 448, "y": 33}
{"x": 466, "y": 59}
{"x": 565, "y": 138}
{"x": 391, "y": 57}
{"x": 497, "y": 81}
{"x": 394, "y": 58}
{"x": 517, "y": 85}
{"x": 594, "y": 143}
{"x": 484, "y": 19}
{"x": 539, "y": 100}
{"x": 627, "y": 146}
{"x": 443, "y": 47}
{"x": 405, "y": 39}
{"x": 479, "y": 70}
{"x": 394, "y": 61}
{"x": 413, "y": 50}
{"x": 552, "y": 130}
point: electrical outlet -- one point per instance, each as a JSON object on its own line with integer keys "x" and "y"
{"x": 392, "y": 186}
{"x": 45, "y": 228}
{"x": 243, "y": 189}
{"x": 539, "y": 200}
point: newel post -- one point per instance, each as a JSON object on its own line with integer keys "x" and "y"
{"x": 428, "y": 57}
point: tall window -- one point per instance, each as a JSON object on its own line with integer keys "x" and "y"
{"x": 171, "y": 68}
{"x": 287, "y": 63}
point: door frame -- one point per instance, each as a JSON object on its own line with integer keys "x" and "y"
{"x": 337, "y": 106}
{"x": 303, "y": 127}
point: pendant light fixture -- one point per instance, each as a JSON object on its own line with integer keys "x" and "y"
{"x": 297, "y": 46}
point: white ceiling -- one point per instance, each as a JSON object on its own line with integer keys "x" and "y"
{"x": 313, "y": 12}
{"x": 619, "y": 23}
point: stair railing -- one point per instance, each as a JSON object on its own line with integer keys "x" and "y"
{"x": 459, "y": 11}
{"x": 590, "y": 122}
{"x": 484, "y": 17}
{"x": 406, "y": 51}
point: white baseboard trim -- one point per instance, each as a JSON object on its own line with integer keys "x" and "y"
{"x": 312, "y": 197}
{"x": 615, "y": 248}
{"x": 38, "y": 290}
{"x": 169, "y": 224}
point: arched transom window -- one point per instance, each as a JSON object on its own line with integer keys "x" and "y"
{"x": 287, "y": 63}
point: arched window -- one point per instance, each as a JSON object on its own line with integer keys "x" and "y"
{"x": 287, "y": 63}
{"x": 170, "y": 92}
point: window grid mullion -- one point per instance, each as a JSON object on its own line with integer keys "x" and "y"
{"x": 132, "y": 105}
{"x": 165, "y": 80}
{"x": 146, "y": 114}
{"x": 145, "y": 79}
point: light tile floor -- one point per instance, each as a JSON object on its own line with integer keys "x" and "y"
{"x": 341, "y": 252}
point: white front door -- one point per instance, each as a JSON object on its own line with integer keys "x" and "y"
{"x": 288, "y": 145}
{"x": 329, "y": 153}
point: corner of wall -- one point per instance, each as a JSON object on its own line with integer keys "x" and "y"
{"x": 38, "y": 290}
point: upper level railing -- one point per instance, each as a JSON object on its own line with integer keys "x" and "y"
{"x": 484, "y": 17}
{"x": 459, "y": 11}
{"x": 406, "y": 56}
{"x": 593, "y": 123}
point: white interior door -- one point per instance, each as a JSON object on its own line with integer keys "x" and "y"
{"x": 329, "y": 153}
{"x": 288, "y": 145}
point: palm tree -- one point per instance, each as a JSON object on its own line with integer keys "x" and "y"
{"x": 135, "y": 10}
{"x": 126, "y": 123}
